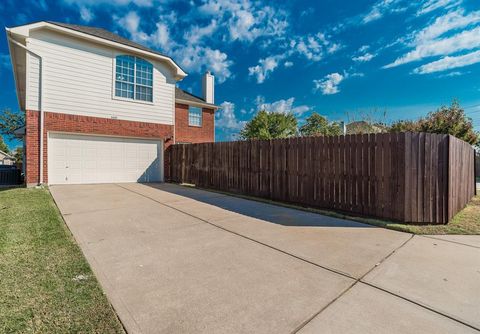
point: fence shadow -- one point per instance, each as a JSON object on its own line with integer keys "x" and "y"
{"x": 270, "y": 213}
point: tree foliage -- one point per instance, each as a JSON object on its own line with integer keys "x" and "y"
{"x": 10, "y": 121}
{"x": 3, "y": 146}
{"x": 317, "y": 125}
{"x": 270, "y": 125}
{"x": 18, "y": 154}
{"x": 445, "y": 120}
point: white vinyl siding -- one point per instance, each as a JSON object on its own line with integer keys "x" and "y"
{"x": 194, "y": 116}
{"x": 32, "y": 83}
{"x": 79, "y": 78}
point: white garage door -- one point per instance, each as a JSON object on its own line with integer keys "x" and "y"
{"x": 75, "y": 159}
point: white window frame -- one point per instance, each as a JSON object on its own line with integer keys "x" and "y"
{"x": 201, "y": 117}
{"x": 114, "y": 78}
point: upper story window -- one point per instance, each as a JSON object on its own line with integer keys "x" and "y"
{"x": 133, "y": 78}
{"x": 194, "y": 116}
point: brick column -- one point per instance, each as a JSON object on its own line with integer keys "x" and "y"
{"x": 32, "y": 147}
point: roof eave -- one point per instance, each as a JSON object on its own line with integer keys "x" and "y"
{"x": 20, "y": 132}
{"x": 20, "y": 99}
{"x": 197, "y": 104}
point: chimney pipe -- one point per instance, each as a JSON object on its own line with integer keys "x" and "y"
{"x": 208, "y": 89}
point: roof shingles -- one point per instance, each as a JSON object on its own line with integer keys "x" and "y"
{"x": 105, "y": 34}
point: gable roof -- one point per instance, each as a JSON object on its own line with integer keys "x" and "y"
{"x": 105, "y": 34}
{"x": 97, "y": 35}
{"x": 6, "y": 155}
{"x": 190, "y": 99}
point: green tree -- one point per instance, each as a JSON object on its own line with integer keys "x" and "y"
{"x": 18, "y": 154}
{"x": 10, "y": 121}
{"x": 316, "y": 125}
{"x": 447, "y": 120}
{"x": 3, "y": 146}
{"x": 270, "y": 125}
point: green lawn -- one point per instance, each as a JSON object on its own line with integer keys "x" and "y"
{"x": 46, "y": 285}
{"x": 466, "y": 221}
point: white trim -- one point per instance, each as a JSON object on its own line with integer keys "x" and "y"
{"x": 201, "y": 117}
{"x": 7, "y": 155}
{"x": 102, "y": 135}
{"x": 114, "y": 80}
{"x": 12, "y": 57}
{"x": 25, "y": 31}
{"x": 40, "y": 97}
{"x": 125, "y": 99}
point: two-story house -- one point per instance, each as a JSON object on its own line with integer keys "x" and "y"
{"x": 100, "y": 108}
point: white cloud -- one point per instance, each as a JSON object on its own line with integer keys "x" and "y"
{"x": 453, "y": 74}
{"x": 218, "y": 63}
{"x": 431, "y": 40}
{"x": 159, "y": 38}
{"x": 246, "y": 20}
{"x": 91, "y": 3}
{"x": 191, "y": 54}
{"x": 448, "y": 22}
{"x": 448, "y": 63}
{"x": 329, "y": 84}
{"x": 313, "y": 47}
{"x": 196, "y": 33}
{"x": 465, "y": 40}
{"x": 264, "y": 68}
{"x": 363, "y": 58}
{"x": 130, "y": 22}
{"x": 364, "y": 48}
{"x": 225, "y": 117}
{"x": 86, "y": 14}
{"x": 281, "y": 106}
{"x": 431, "y": 5}
{"x": 381, "y": 8}
{"x": 201, "y": 58}
{"x": 334, "y": 47}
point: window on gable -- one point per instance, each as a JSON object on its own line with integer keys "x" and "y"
{"x": 133, "y": 78}
{"x": 194, "y": 116}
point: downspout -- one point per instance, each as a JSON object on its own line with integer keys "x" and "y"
{"x": 40, "y": 99}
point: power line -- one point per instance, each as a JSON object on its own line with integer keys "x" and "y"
{"x": 472, "y": 106}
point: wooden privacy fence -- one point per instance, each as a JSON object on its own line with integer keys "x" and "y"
{"x": 10, "y": 176}
{"x": 409, "y": 177}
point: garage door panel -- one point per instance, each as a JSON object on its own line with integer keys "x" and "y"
{"x": 98, "y": 159}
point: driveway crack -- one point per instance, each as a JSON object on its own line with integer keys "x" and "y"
{"x": 357, "y": 280}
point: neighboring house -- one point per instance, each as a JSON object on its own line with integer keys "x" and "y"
{"x": 6, "y": 159}
{"x": 108, "y": 107}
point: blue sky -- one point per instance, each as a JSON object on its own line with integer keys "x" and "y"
{"x": 343, "y": 59}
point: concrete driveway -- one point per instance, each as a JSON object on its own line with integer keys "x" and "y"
{"x": 179, "y": 260}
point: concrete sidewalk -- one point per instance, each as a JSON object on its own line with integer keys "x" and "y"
{"x": 179, "y": 260}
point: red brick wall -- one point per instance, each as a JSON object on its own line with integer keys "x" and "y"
{"x": 193, "y": 134}
{"x": 32, "y": 139}
{"x": 86, "y": 125}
